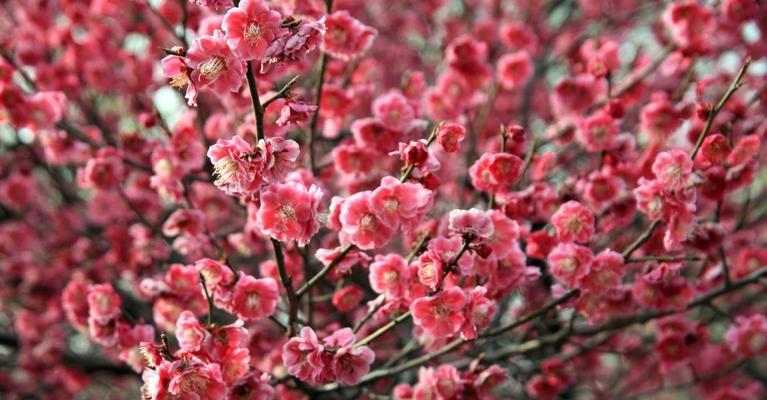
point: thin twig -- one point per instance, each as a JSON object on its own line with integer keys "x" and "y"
{"x": 734, "y": 86}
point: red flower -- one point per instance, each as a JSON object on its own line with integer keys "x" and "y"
{"x": 440, "y": 315}
{"x": 250, "y": 28}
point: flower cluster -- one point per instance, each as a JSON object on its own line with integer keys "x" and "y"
{"x": 274, "y": 199}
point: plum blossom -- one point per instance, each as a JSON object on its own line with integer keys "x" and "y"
{"x": 440, "y": 315}
{"x": 471, "y": 222}
{"x": 250, "y": 28}
{"x": 515, "y": 69}
{"x": 390, "y": 275}
{"x": 494, "y": 172}
{"x": 214, "y": 65}
{"x": 177, "y": 69}
{"x": 450, "y": 135}
{"x": 289, "y": 212}
{"x": 570, "y": 262}
{"x": 396, "y": 203}
{"x": 346, "y": 37}
{"x": 360, "y": 224}
{"x": 748, "y": 335}
{"x": 573, "y": 222}
{"x": 254, "y": 298}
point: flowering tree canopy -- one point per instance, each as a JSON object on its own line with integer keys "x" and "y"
{"x": 400, "y": 199}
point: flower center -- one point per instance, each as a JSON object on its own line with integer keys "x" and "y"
{"x": 390, "y": 276}
{"x": 225, "y": 169}
{"x": 367, "y": 222}
{"x": 252, "y": 32}
{"x": 179, "y": 81}
{"x": 673, "y": 173}
{"x": 286, "y": 212}
{"x": 212, "y": 68}
{"x": 391, "y": 205}
{"x": 441, "y": 310}
{"x": 253, "y": 301}
{"x": 573, "y": 224}
{"x": 569, "y": 265}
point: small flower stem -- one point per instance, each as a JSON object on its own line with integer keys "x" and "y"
{"x": 258, "y": 109}
{"x": 736, "y": 84}
{"x": 311, "y": 282}
{"x": 287, "y": 283}
{"x": 640, "y": 240}
{"x": 208, "y": 297}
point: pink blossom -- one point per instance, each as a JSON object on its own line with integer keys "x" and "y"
{"x": 573, "y": 222}
{"x": 348, "y": 298}
{"x": 440, "y": 315}
{"x": 739, "y": 10}
{"x": 505, "y": 232}
{"x": 289, "y": 212}
{"x": 371, "y": 133}
{"x": 397, "y": 203}
{"x": 447, "y": 248}
{"x": 569, "y": 262}
{"x": 254, "y": 298}
{"x": 662, "y": 289}
{"x": 430, "y": 269}
{"x": 390, "y": 275}
{"x": 472, "y": 222}
{"x": 237, "y": 165}
{"x": 748, "y": 335}
{"x": 361, "y": 226}
{"x": 250, "y": 28}
{"x": 515, "y": 69}
{"x": 295, "y": 112}
{"x": 189, "y": 332}
{"x": 690, "y": 24}
{"x": 353, "y": 257}
{"x": 394, "y": 110}
{"x": 450, "y": 135}
{"x": 672, "y": 169}
{"x": 479, "y": 312}
{"x": 103, "y": 303}
{"x": 346, "y": 37}
{"x": 574, "y": 95}
{"x": 215, "y": 65}
{"x": 179, "y": 72}
{"x": 187, "y": 222}
{"x": 301, "y": 355}
{"x": 715, "y": 149}
{"x": 195, "y": 379}
{"x": 105, "y": 171}
{"x": 494, "y": 172}
{"x": 351, "y": 363}
{"x": 606, "y": 271}
{"x": 294, "y": 44}
{"x": 597, "y": 132}
{"x": 214, "y": 272}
